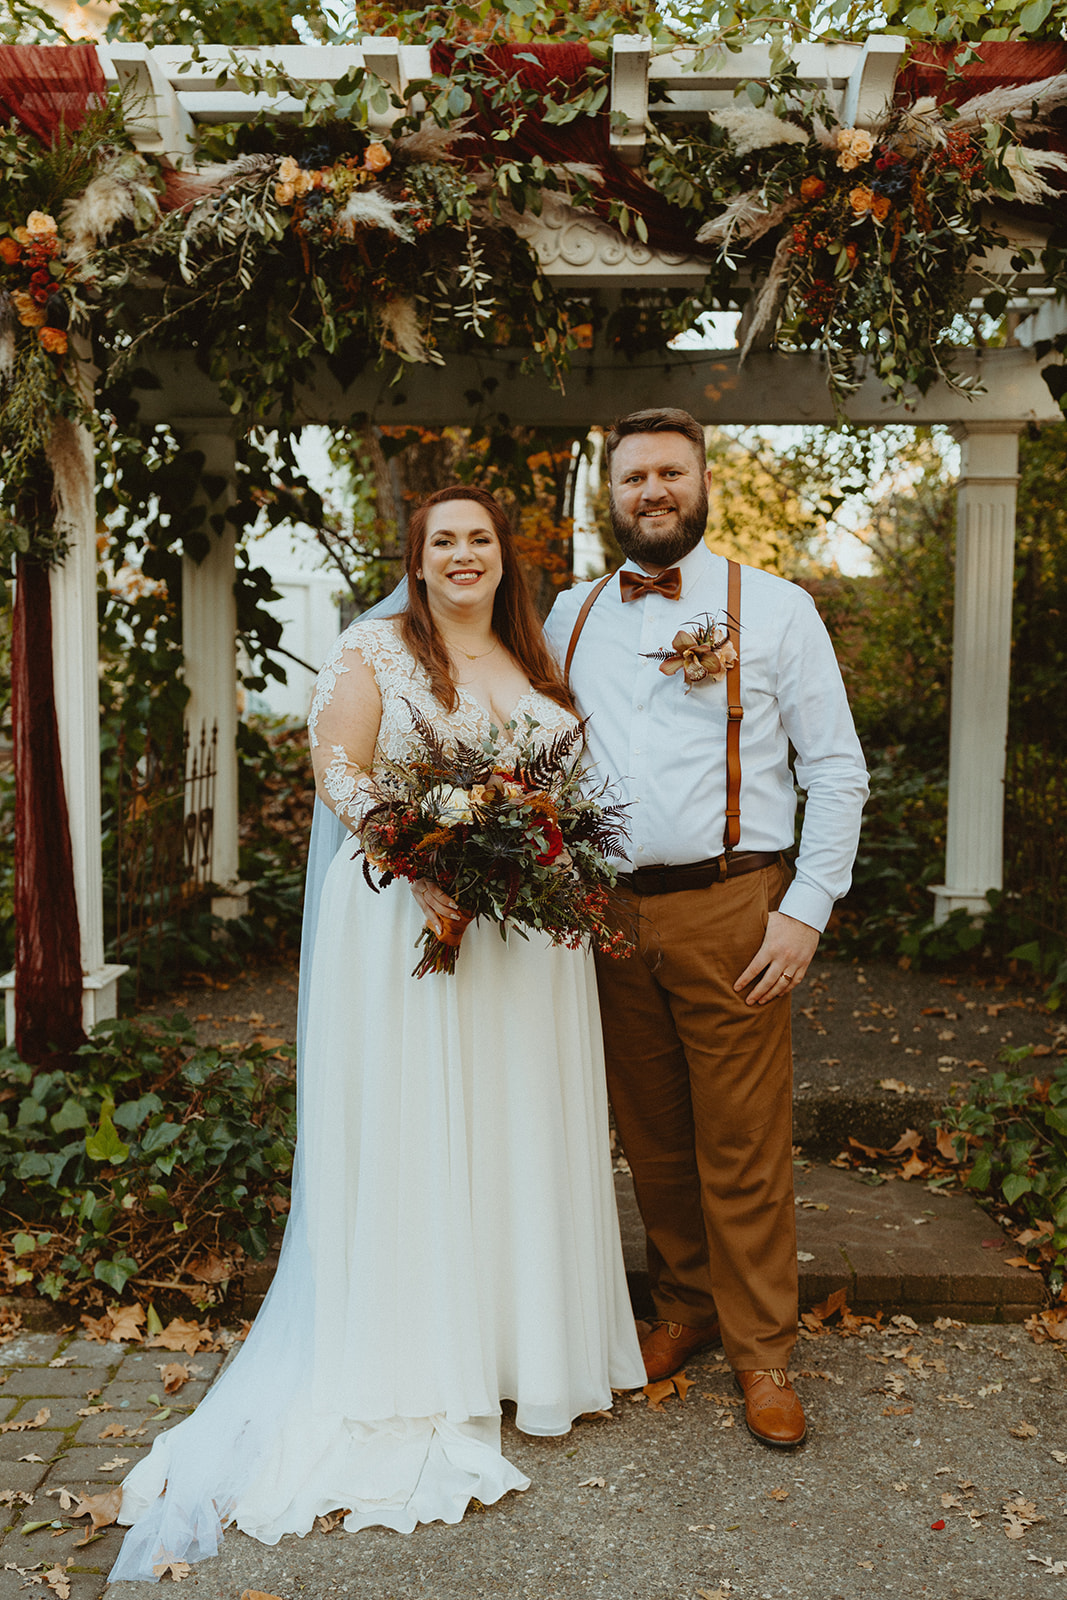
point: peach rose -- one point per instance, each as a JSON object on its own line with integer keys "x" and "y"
{"x": 288, "y": 170}
{"x": 39, "y": 225}
{"x": 284, "y": 193}
{"x": 861, "y": 199}
{"x": 54, "y": 340}
{"x": 10, "y": 251}
{"x": 376, "y": 158}
{"x": 30, "y": 314}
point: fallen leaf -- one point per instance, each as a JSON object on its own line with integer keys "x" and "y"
{"x": 936, "y": 1527}
{"x": 867, "y": 1565}
{"x": 832, "y": 1303}
{"x": 180, "y": 1334}
{"x": 951, "y": 1500}
{"x": 897, "y": 1411}
{"x": 593, "y": 1483}
{"x": 23, "y": 1427}
{"x": 867, "y": 1149}
{"x": 114, "y": 1430}
{"x": 910, "y": 1139}
{"x": 38, "y": 1459}
{"x": 258, "y": 1594}
{"x": 1056, "y": 1569}
{"x": 101, "y": 1509}
{"x": 682, "y": 1384}
{"x": 895, "y": 1086}
{"x": 990, "y": 1388}
{"x": 1023, "y": 1430}
{"x": 126, "y": 1325}
{"x": 174, "y": 1569}
{"x": 943, "y": 1324}
{"x": 61, "y": 1361}
{"x": 331, "y": 1520}
{"x": 957, "y": 1400}
{"x": 174, "y": 1375}
{"x": 1060, "y": 1456}
{"x": 119, "y": 1461}
{"x": 946, "y": 1148}
{"x": 58, "y": 1580}
{"x": 778, "y": 1494}
{"x": 902, "y": 1486}
{"x": 914, "y": 1168}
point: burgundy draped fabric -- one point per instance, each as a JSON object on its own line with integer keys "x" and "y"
{"x": 1001, "y": 65}
{"x": 585, "y": 139}
{"x": 48, "y": 972}
{"x": 45, "y": 85}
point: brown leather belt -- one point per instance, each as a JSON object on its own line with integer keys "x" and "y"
{"x": 697, "y": 874}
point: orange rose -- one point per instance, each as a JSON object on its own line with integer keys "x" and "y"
{"x": 852, "y": 251}
{"x": 376, "y": 158}
{"x": 54, "y": 340}
{"x": 861, "y": 199}
{"x": 812, "y": 189}
{"x": 10, "y": 251}
{"x": 880, "y": 207}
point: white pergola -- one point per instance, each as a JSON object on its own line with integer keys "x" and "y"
{"x": 173, "y": 93}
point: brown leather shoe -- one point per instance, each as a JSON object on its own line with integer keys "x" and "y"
{"x": 772, "y": 1410}
{"x": 667, "y": 1346}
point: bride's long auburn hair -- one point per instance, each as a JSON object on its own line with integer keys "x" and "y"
{"x": 514, "y": 619}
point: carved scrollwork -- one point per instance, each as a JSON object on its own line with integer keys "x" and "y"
{"x": 567, "y": 240}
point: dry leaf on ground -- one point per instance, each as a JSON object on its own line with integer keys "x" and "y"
{"x": 101, "y": 1509}
{"x": 114, "y": 1430}
{"x": 1023, "y": 1430}
{"x": 31, "y": 1422}
{"x": 61, "y": 1361}
{"x": 180, "y": 1334}
{"x": 174, "y": 1375}
{"x": 110, "y": 1466}
{"x": 778, "y": 1494}
{"x": 58, "y": 1580}
{"x": 258, "y": 1594}
{"x": 665, "y": 1388}
{"x": 593, "y": 1483}
{"x": 173, "y": 1569}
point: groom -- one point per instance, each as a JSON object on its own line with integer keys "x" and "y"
{"x": 697, "y": 1021}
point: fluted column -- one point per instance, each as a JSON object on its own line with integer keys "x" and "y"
{"x": 76, "y": 674}
{"x": 209, "y": 641}
{"x": 981, "y": 666}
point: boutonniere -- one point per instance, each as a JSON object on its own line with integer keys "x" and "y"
{"x": 700, "y": 651}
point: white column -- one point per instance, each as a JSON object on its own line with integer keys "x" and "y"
{"x": 75, "y": 665}
{"x": 209, "y": 641}
{"x": 981, "y": 665}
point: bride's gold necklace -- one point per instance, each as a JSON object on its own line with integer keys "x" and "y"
{"x": 480, "y": 657}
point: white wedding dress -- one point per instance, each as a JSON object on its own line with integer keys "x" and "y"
{"x": 453, "y": 1239}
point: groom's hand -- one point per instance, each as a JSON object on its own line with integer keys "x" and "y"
{"x": 781, "y": 960}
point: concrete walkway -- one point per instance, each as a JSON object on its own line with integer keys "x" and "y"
{"x": 920, "y": 1438}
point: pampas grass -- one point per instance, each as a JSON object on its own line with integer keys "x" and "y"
{"x": 122, "y": 192}
{"x": 1047, "y": 93}
{"x": 770, "y": 297}
{"x": 752, "y": 128}
{"x": 746, "y": 219}
{"x": 400, "y": 329}
{"x": 369, "y": 208}
{"x": 1024, "y": 167}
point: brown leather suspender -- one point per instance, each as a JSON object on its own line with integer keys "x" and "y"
{"x": 587, "y": 606}
{"x": 735, "y": 711}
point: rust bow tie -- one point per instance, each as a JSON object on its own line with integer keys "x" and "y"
{"x": 636, "y": 584}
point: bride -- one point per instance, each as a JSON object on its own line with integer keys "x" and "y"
{"x": 453, "y": 1239}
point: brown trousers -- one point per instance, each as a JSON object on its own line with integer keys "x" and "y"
{"x": 701, "y": 1089}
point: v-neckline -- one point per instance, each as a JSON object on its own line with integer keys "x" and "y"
{"x": 472, "y": 699}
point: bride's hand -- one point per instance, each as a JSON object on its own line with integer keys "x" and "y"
{"x": 433, "y": 902}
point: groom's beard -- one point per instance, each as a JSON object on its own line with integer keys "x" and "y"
{"x": 661, "y": 548}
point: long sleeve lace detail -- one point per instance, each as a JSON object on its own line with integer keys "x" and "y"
{"x": 352, "y": 791}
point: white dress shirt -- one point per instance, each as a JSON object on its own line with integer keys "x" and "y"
{"x": 664, "y": 750}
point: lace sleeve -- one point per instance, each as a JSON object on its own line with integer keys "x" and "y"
{"x": 343, "y": 728}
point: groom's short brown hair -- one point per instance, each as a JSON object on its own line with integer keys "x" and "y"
{"x": 657, "y": 419}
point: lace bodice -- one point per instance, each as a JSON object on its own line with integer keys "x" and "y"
{"x": 401, "y": 680}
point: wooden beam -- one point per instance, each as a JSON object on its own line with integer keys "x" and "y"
{"x": 772, "y": 388}
{"x": 870, "y": 86}
{"x": 630, "y": 58}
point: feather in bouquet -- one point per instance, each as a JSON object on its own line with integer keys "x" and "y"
{"x": 510, "y": 837}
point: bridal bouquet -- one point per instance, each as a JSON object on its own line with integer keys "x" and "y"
{"x": 510, "y": 837}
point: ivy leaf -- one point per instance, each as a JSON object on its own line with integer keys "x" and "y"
{"x": 1015, "y": 1185}
{"x": 105, "y": 1144}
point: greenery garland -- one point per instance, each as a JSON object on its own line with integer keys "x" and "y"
{"x": 323, "y": 240}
